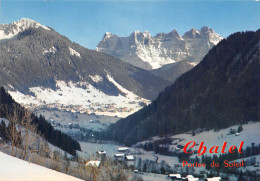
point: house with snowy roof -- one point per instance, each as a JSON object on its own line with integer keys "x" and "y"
{"x": 191, "y": 178}
{"x": 130, "y": 158}
{"x": 123, "y": 149}
{"x": 175, "y": 176}
{"x": 214, "y": 179}
{"x": 101, "y": 152}
{"x": 93, "y": 163}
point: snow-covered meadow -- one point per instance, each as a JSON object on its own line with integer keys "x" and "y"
{"x": 73, "y": 97}
{"x": 14, "y": 169}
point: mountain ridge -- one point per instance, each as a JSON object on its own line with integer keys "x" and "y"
{"x": 46, "y": 62}
{"x": 143, "y": 50}
{"x": 8, "y": 31}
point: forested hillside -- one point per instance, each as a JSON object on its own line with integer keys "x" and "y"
{"x": 222, "y": 90}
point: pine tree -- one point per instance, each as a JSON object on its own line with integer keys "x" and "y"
{"x": 239, "y": 129}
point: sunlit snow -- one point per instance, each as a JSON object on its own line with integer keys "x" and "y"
{"x": 87, "y": 99}
{"x": 74, "y": 52}
{"x": 14, "y": 169}
{"x": 19, "y": 26}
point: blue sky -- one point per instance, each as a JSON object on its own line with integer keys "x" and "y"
{"x": 86, "y": 21}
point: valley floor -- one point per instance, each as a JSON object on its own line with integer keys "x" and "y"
{"x": 250, "y": 135}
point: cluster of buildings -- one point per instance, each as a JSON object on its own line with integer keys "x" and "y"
{"x": 122, "y": 155}
{"x": 92, "y": 108}
{"x": 178, "y": 176}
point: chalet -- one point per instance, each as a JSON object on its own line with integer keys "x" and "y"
{"x": 119, "y": 155}
{"x": 123, "y": 149}
{"x": 175, "y": 176}
{"x": 101, "y": 153}
{"x": 130, "y": 158}
{"x": 191, "y": 178}
{"x": 214, "y": 179}
{"x": 136, "y": 171}
{"x": 93, "y": 163}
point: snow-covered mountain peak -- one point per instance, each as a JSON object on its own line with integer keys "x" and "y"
{"x": 136, "y": 38}
{"x": 205, "y": 33}
{"x": 193, "y": 33}
{"x": 147, "y": 34}
{"x": 174, "y": 34}
{"x": 108, "y": 35}
{"x": 29, "y": 23}
{"x": 210, "y": 34}
{"x": 159, "y": 35}
{"x": 206, "y": 29}
{"x": 136, "y": 32}
{"x": 8, "y": 31}
{"x": 143, "y": 50}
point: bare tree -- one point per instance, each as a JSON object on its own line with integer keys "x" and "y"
{"x": 21, "y": 132}
{"x": 113, "y": 171}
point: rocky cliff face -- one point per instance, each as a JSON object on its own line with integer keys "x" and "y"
{"x": 148, "y": 52}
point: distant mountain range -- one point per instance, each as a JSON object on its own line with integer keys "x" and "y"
{"x": 148, "y": 52}
{"x": 41, "y": 67}
{"x": 221, "y": 91}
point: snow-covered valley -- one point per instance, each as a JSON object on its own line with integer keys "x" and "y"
{"x": 82, "y": 97}
{"x": 155, "y": 161}
{"x": 81, "y": 92}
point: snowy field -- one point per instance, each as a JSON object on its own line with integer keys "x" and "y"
{"x": 14, "y": 169}
{"x": 74, "y": 97}
{"x": 88, "y": 149}
{"x": 249, "y": 135}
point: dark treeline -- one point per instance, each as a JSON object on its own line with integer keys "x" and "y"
{"x": 7, "y": 109}
{"x": 250, "y": 151}
{"x": 56, "y": 137}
